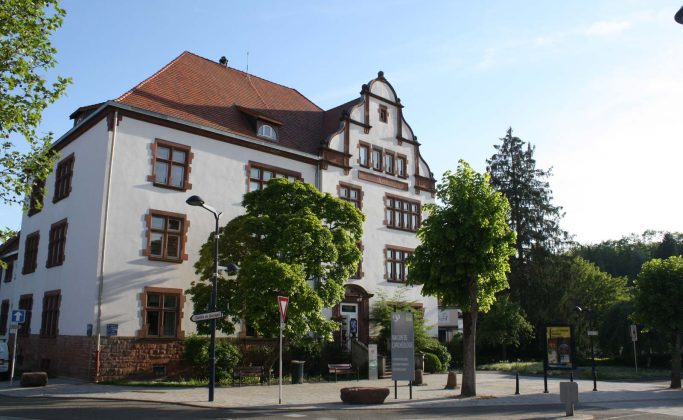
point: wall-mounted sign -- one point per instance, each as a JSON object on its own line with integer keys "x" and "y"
{"x": 112, "y": 330}
{"x": 560, "y": 349}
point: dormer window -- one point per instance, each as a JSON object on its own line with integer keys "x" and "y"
{"x": 267, "y": 131}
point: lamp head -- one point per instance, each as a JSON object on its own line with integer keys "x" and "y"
{"x": 679, "y": 16}
{"x": 195, "y": 200}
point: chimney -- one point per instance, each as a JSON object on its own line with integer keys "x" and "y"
{"x": 223, "y": 61}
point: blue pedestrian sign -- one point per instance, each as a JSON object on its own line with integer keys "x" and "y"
{"x": 18, "y": 316}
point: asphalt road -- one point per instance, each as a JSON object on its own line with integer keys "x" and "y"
{"x": 75, "y": 409}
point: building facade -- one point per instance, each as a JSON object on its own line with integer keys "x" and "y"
{"x": 106, "y": 261}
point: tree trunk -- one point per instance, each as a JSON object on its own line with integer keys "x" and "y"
{"x": 676, "y": 359}
{"x": 469, "y": 332}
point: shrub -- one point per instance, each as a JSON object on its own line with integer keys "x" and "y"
{"x": 227, "y": 355}
{"x": 432, "y": 363}
{"x": 437, "y": 349}
{"x": 455, "y": 350}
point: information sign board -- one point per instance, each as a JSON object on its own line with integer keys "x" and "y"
{"x": 402, "y": 347}
{"x": 560, "y": 347}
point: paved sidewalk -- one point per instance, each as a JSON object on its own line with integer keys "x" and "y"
{"x": 493, "y": 389}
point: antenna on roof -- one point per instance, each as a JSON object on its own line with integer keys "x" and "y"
{"x": 247, "y": 62}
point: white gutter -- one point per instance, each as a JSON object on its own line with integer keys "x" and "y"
{"x": 100, "y": 288}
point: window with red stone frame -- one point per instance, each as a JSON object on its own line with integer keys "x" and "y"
{"x": 364, "y": 155}
{"x": 352, "y": 194}
{"x": 401, "y": 166}
{"x": 260, "y": 174}
{"x": 31, "y": 253}
{"x": 377, "y": 159}
{"x": 171, "y": 165}
{"x": 26, "y": 303}
{"x": 162, "y": 313}
{"x": 65, "y": 170}
{"x": 396, "y": 268}
{"x": 9, "y": 271}
{"x": 166, "y": 236}
{"x": 383, "y": 113}
{"x": 49, "y": 327}
{"x": 401, "y": 213}
{"x": 57, "y": 243}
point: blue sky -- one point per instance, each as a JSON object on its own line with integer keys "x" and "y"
{"x": 596, "y": 86}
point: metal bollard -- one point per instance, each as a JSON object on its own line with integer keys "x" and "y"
{"x": 516, "y": 383}
{"x": 571, "y": 376}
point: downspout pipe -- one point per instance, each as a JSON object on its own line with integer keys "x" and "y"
{"x": 100, "y": 288}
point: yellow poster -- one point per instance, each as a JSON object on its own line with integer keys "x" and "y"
{"x": 559, "y": 345}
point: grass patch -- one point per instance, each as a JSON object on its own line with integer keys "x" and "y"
{"x": 583, "y": 372}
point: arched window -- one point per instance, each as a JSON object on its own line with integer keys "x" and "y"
{"x": 267, "y": 131}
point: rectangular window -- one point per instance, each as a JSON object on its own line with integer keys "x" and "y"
{"x": 26, "y": 303}
{"x": 50, "y": 321}
{"x": 4, "y": 316}
{"x": 36, "y": 199}
{"x": 162, "y": 313}
{"x": 364, "y": 156}
{"x": 396, "y": 269}
{"x": 9, "y": 271}
{"x": 63, "y": 177}
{"x": 377, "y": 159}
{"x": 57, "y": 243}
{"x": 401, "y": 213}
{"x": 351, "y": 193}
{"x": 260, "y": 174}
{"x": 383, "y": 113}
{"x": 171, "y": 165}
{"x": 389, "y": 162}
{"x": 31, "y": 253}
{"x": 166, "y": 233}
{"x": 401, "y": 166}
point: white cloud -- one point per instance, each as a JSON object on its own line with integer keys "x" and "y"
{"x": 605, "y": 28}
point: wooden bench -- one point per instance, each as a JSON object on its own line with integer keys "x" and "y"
{"x": 242, "y": 371}
{"x": 342, "y": 369}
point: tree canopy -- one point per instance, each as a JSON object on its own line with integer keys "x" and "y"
{"x": 658, "y": 295}
{"x": 533, "y": 216}
{"x": 463, "y": 256}
{"x": 26, "y": 54}
{"x": 293, "y": 240}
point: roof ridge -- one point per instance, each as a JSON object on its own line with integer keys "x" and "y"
{"x": 139, "y": 85}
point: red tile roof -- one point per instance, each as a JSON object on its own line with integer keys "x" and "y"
{"x": 201, "y": 91}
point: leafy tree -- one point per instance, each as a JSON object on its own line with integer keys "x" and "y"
{"x": 533, "y": 217}
{"x": 463, "y": 258}
{"x": 504, "y": 325}
{"x": 25, "y": 55}
{"x": 658, "y": 295}
{"x": 293, "y": 240}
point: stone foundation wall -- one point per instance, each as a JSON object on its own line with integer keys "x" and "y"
{"x": 121, "y": 357}
{"x": 70, "y": 356}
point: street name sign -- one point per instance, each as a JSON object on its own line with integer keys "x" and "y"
{"x": 593, "y": 333}
{"x": 402, "y": 347}
{"x": 634, "y": 333}
{"x": 206, "y": 316}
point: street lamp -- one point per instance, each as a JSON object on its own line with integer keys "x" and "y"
{"x": 195, "y": 200}
{"x": 679, "y": 16}
{"x": 589, "y": 313}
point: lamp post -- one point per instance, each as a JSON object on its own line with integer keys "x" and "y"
{"x": 679, "y": 16}
{"x": 195, "y": 200}
{"x": 589, "y": 313}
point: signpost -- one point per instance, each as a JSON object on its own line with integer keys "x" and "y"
{"x": 402, "y": 350}
{"x": 18, "y": 317}
{"x": 634, "y": 338}
{"x": 282, "y": 305}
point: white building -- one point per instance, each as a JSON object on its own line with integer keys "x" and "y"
{"x": 108, "y": 257}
